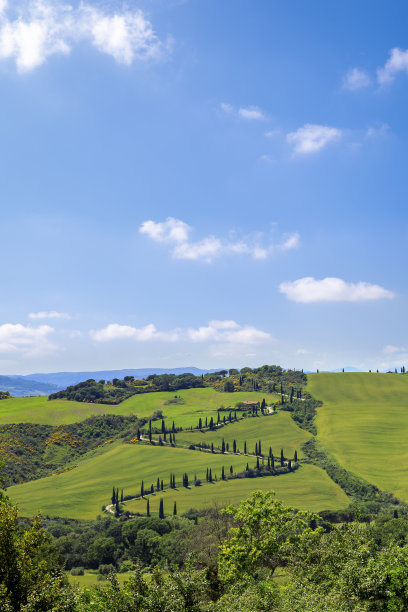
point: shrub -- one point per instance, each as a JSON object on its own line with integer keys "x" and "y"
{"x": 77, "y": 571}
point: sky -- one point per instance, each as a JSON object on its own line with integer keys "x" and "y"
{"x": 217, "y": 184}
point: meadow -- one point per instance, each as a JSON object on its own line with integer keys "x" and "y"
{"x": 196, "y": 403}
{"x": 363, "y": 423}
{"x": 307, "y": 488}
{"x": 275, "y": 430}
{"x": 81, "y": 492}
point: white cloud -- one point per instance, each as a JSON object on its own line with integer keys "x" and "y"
{"x": 176, "y": 233}
{"x": 308, "y": 290}
{"x": 312, "y": 138}
{"x": 249, "y": 113}
{"x": 302, "y": 351}
{"x": 356, "y": 79}
{"x": 397, "y": 62}
{"x": 391, "y": 349}
{"x": 171, "y": 230}
{"x": 32, "y": 31}
{"x": 114, "y": 331}
{"x": 50, "y": 314}
{"x": 216, "y": 331}
{"x": 28, "y": 341}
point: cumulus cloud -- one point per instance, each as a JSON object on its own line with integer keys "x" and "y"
{"x": 312, "y": 138}
{"x": 32, "y": 31}
{"x": 114, "y": 331}
{"x": 176, "y": 234}
{"x": 216, "y": 331}
{"x": 27, "y": 341}
{"x": 356, "y": 79}
{"x": 307, "y": 290}
{"x": 249, "y": 113}
{"x": 397, "y": 62}
{"x": 49, "y": 314}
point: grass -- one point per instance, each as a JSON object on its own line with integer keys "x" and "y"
{"x": 363, "y": 423}
{"x": 309, "y": 488}
{"x": 90, "y": 578}
{"x": 197, "y": 403}
{"x": 81, "y": 492}
{"x": 275, "y": 430}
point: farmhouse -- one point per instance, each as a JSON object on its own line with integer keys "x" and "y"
{"x": 251, "y": 404}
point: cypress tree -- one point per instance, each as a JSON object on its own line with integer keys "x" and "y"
{"x": 272, "y": 463}
{"x": 206, "y": 419}
{"x": 200, "y": 423}
{"x": 235, "y": 446}
{"x": 173, "y": 429}
{"x": 158, "y": 485}
{"x": 117, "y": 508}
{"x": 223, "y": 446}
{"x": 282, "y": 458}
{"x": 231, "y": 469}
{"x": 290, "y": 464}
{"x": 152, "y": 489}
{"x": 117, "y": 495}
{"x": 218, "y": 418}
{"x": 235, "y": 416}
{"x": 247, "y": 467}
{"x": 114, "y": 496}
{"x": 142, "y": 490}
{"x": 175, "y": 509}
{"x": 245, "y": 448}
{"x": 121, "y": 495}
{"x": 230, "y": 417}
{"x": 161, "y": 509}
{"x": 138, "y": 435}
{"x": 257, "y": 463}
{"x": 224, "y": 420}
{"x": 227, "y": 447}
{"x": 160, "y": 441}
{"x": 161, "y": 485}
{"x": 263, "y": 404}
{"x": 222, "y": 473}
{"x": 212, "y": 447}
{"x": 256, "y": 448}
{"x": 270, "y": 451}
{"x": 165, "y": 436}
{"x": 207, "y": 475}
{"x": 211, "y": 423}
{"x": 210, "y": 478}
{"x": 259, "y": 448}
{"x": 163, "y": 428}
{"x": 148, "y": 508}
{"x": 295, "y": 457}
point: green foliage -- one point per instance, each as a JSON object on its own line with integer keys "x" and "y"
{"x": 4, "y": 395}
{"x": 265, "y": 528}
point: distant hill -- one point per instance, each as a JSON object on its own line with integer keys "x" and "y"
{"x": 45, "y": 384}
{"x": 20, "y": 386}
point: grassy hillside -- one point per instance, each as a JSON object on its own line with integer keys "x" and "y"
{"x": 197, "y": 403}
{"x": 364, "y": 424}
{"x": 277, "y": 430}
{"x": 81, "y": 492}
{"x": 308, "y": 488}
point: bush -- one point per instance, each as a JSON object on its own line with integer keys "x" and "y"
{"x": 191, "y": 447}
{"x": 77, "y": 571}
{"x": 105, "y": 569}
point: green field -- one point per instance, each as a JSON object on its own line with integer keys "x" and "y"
{"x": 364, "y": 424}
{"x": 275, "y": 430}
{"x": 309, "y": 488}
{"x": 81, "y": 492}
{"x": 90, "y": 578}
{"x": 197, "y": 403}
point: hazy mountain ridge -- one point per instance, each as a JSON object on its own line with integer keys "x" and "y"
{"x": 46, "y": 383}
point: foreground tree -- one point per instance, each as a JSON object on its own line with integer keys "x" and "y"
{"x": 264, "y": 528}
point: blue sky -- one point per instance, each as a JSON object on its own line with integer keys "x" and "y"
{"x": 202, "y": 183}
